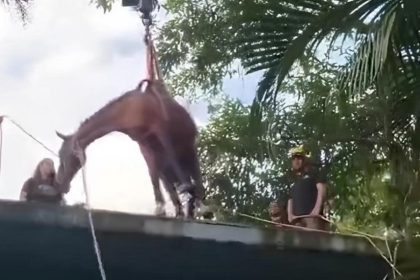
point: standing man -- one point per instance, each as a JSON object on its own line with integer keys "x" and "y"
{"x": 307, "y": 194}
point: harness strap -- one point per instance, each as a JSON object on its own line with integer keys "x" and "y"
{"x": 153, "y": 72}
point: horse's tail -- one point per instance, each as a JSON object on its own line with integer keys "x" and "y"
{"x": 157, "y": 93}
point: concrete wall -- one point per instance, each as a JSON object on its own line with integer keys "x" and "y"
{"x": 47, "y": 242}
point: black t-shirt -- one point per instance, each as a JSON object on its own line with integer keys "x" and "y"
{"x": 304, "y": 193}
{"x": 35, "y": 191}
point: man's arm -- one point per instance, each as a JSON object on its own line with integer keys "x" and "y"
{"x": 320, "y": 199}
{"x": 290, "y": 215}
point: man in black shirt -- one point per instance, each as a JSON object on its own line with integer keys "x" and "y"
{"x": 307, "y": 194}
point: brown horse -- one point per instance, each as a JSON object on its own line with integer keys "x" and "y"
{"x": 164, "y": 130}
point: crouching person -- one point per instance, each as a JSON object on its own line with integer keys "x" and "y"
{"x": 41, "y": 187}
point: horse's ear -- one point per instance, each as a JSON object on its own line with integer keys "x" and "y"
{"x": 62, "y": 136}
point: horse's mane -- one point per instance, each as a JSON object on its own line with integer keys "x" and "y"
{"x": 116, "y": 100}
{"x": 112, "y": 102}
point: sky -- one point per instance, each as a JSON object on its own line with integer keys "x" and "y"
{"x": 59, "y": 69}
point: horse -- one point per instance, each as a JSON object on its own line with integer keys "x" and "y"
{"x": 164, "y": 130}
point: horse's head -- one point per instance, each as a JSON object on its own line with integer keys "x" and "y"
{"x": 69, "y": 162}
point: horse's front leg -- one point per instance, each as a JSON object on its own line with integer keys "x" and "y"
{"x": 170, "y": 188}
{"x": 154, "y": 171}
{"x": 160, "y": 202}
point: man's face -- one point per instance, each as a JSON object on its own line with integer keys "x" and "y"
{"x": 297, "y": 162}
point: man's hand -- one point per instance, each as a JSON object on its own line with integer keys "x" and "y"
{"x": 291, "y": 217}
{"x": 322, "y": 190}
{"x": 315, "y": 212}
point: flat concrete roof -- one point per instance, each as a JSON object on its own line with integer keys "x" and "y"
{"x": 56, "y": 241}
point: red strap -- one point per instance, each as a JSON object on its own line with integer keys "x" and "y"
{"x": 151, "y": 61}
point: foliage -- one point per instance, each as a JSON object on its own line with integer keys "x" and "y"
{"x": 362, "y": 119}
{"x": 238, "y": 171}
{"x": 344, "y": 137}
{"x": 374, "y": 105}
{"x": 208, "y": 37}
{"x": 244, "y": 169}
{"x": 106, "y": 5}
{"x": 21, "y": 6}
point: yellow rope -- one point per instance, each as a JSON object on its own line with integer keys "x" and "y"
{"x": 367, "y": 236}
{"x": 280, "y": 224}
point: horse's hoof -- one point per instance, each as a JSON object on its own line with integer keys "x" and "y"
{"x": 187, "y": 218}
{"x": 160, "y": 210}
{"x": 185, "y": 197}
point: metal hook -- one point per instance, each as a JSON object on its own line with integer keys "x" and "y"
{"x": 146, "y": 7}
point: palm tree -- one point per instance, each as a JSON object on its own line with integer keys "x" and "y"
{"x": 385, "y": 62}
{"x": 384, "y": 31}
{"x": 269, "y": 36}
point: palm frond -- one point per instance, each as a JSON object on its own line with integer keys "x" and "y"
{"x": 370, "y": 57}
{"x": 106, "y": 5}
{"x": 284, "y": 32}
{"x": 265, "y": 87}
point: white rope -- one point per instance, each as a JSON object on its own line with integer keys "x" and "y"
{"x": 2, "y": 118}
{"x": 29, "y": 134}
{"x": 89, "y": 210}
{"x": 1, "y": 140}
{"x": 80, "y": 154}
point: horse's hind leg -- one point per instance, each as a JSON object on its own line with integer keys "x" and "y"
{"x": 172, "y": 162}
{"x": 199, "y": 191}
{"x": 153, "y": 166}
